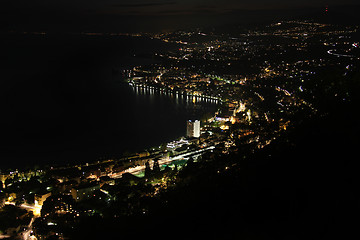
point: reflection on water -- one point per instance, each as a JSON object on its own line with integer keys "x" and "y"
{"x": 177, "y": 97}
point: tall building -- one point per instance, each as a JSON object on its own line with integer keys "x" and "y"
{"x": 193, "y": 128}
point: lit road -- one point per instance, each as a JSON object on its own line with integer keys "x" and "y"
{"x": 331, "y": 52}
{"x": 24, "y": 235}
{"x": 31, "y": 207}
{"x": 186, "y": 155}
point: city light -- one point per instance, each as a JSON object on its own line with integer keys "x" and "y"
{"x": 245, "y": 95}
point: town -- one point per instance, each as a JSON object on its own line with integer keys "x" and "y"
{"x": 264, "y": 82}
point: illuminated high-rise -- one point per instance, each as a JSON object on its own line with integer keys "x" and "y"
{"x": 193, "y": 128}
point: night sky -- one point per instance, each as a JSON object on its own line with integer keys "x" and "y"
{"x": 153, "y": 15}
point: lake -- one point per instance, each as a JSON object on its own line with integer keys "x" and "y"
{"x": 64, "y": 101}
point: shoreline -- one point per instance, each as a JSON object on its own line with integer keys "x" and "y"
{"x": 40, "y": 166}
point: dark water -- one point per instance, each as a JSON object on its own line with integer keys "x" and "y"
{"x": 62, "y": 102}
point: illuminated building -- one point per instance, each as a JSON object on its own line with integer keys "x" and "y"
{"x": 3, "y": 177}
{"x": 39, "y": 198}
{"x": 84, "y": 191}
{"x": 222, "y": 118}
{"x": 193, "y": 129}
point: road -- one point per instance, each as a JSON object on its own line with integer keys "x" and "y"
{"x": 31, "y": 207}
{"x": 25, "y": 235}
{"x": 331, "y": 51}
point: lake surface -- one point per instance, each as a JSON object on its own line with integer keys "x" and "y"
{"x": 63, "y": 100}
